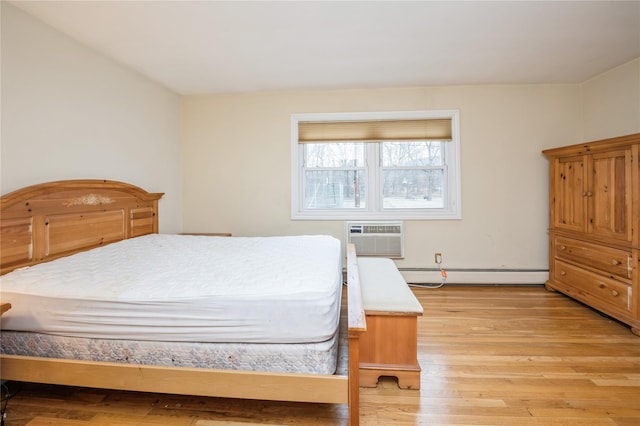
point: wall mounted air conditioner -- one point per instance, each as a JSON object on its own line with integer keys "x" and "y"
{"x": 376, "y": 238}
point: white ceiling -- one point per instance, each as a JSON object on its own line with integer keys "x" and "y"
{"x": 195, "y": 47}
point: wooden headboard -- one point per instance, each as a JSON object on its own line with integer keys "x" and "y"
{"x": 54, "y": 219}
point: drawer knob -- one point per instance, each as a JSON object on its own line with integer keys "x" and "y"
{"x": 614, "y": 293}
{"x": 615, "y": 262}
{"x": 563, "y": 273}
{"x": 563, "y": 247}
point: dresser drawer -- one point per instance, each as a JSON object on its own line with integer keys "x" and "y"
{"x": 606, "y": 259}
{"x": 591, "y": 284}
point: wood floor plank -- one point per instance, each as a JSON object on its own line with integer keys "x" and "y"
{"x": 490, "y": 356}
{"x": 52, "y": 421}
{"x": 151, "y": 420}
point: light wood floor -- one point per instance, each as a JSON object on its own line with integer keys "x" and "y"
{"x": 490, "y": 356}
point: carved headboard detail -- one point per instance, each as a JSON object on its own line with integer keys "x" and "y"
{"x": 54, "y": 219}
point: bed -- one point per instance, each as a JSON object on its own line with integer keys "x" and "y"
{"x": 210, "y": 328}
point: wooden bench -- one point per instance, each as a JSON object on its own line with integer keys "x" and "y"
{"x": 389, "y": 347}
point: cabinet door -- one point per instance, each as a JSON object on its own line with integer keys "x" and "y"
{"x": 569, "y": 209}
{"x": 609, "y": 195}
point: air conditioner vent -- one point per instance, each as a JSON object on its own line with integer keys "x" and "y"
{"x": 376, "y": 238}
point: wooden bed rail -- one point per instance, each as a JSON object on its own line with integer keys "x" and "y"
{"x": 175, "y": 380}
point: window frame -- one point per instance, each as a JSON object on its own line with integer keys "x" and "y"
{"x": 374, "y": 210}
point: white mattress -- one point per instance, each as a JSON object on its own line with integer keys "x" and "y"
{"x": 184, "y": 288}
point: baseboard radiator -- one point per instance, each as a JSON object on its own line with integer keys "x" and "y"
{"x": 477, "y": 276}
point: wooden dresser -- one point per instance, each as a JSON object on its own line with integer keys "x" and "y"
{"x": 594, "y": 226}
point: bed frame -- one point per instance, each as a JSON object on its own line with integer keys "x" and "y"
{"x": 55, "y": 219}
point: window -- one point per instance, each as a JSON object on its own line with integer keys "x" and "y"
{"x": 356, "y": 166}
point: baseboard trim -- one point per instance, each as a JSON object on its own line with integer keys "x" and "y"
{"x": 476, "y": 276}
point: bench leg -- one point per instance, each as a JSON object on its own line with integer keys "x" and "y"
{"x": 408, "y": 378}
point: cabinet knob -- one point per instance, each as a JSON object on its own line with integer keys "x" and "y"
{"x": 563, "y": 273}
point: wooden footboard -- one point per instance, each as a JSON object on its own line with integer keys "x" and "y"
{"x": 356, "y": 326}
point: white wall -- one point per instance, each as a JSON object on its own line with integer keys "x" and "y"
{"x": 237, "y": 148}
{"x": 611, "y": 102}
{"x": 70, "y": 113}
